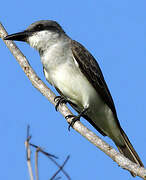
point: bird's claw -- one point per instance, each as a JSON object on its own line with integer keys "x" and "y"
{"x": 75, "y": 118}
{"x": 59, "y": 100}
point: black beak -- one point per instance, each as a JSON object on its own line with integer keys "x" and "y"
{"x": 20, "y": 36}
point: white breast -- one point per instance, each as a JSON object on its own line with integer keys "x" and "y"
{"x": 68, "y": 78}
{"x": 62, "y": 71}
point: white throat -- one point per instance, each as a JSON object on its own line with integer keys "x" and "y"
{"x": 42, "y": 40}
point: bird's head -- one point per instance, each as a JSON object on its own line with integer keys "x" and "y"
{"x": 39, "y": 35}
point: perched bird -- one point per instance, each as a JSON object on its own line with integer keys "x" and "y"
{"x": 76, "y": 75}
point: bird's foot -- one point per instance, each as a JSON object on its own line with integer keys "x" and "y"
{"x": 59, "y": 100}
{"x": 75, "y": 118}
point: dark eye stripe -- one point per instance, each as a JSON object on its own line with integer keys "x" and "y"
{"x": 39, "y": 27}
{"x": 52, "y": 28}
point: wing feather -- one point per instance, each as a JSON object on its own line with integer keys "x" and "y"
{"x": 90, "y": 68}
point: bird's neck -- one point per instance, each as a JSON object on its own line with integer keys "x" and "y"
{"x": 55, "y": 53}
{"x": 50, "y": 44}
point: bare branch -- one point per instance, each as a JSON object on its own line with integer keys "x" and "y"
{"x": 78, "y": 126}
{"x": 36, "y": 164}
{"x": 51, "y": 157}
{"x": 28, "y": 152}
{"x": 39, "y": 149}
{"x": 60, "y": 168}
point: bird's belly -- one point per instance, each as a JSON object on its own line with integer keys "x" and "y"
{"x": 73, "y": 85}
{"x": 76, "y": 88}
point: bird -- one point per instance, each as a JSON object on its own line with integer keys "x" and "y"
{"x": 72, "y": 70}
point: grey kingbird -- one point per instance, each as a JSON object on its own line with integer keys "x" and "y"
{"x": 76, "y": 75}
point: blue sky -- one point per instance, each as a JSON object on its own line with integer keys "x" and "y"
{"x": 115, "y": 33}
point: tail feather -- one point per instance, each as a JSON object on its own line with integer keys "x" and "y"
{"x": 128, "y": 151}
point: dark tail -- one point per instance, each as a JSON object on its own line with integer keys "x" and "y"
{"x": 128, "y": 151}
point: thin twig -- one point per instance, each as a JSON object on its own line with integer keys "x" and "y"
{"x": 39, "y": 149}
{"x": 60, "y": 169}
{"x": 36, "y": 164}
{"x": 51, "y": 157}
{"x": 78, "y": 126}
{"x": 42, "y": 151}
{"x": 28, "y": 152}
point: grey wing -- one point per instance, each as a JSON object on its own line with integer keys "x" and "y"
{"x": 90, "y": 68}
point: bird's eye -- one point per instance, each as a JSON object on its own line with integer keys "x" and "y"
{"x": 39, "y": 27}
